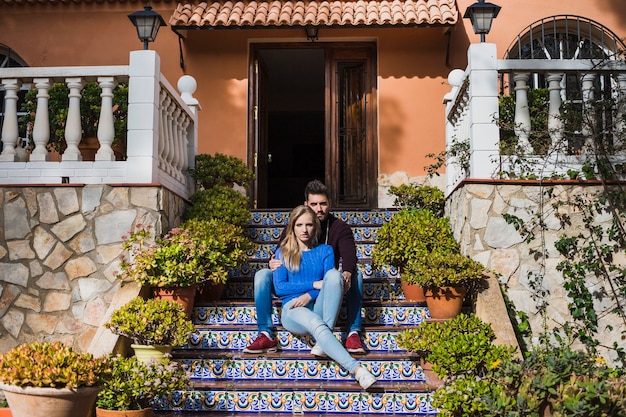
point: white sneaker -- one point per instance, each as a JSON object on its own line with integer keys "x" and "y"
{"x": 364, "y": 377}
{"x": 316, "y": 350}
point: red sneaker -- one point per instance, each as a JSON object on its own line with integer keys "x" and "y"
{"x": 262, "y": 344}
{"x": 353, "y": 344}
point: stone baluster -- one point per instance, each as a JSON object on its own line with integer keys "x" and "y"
{"x": 522, "y": 112}
{"x": 620, "y": 123}
{"x": 41, "y": 127}
{"x": 10, "y": 132}
{"x": 555, "y": 123}
{"x": 169, "y": 136}
{"x": 184, "y": 146}
{"x": 73, "y": 129}
{"x": 106, "y": 127}
{"x": 587, "y": 92}
{"x": 162, "y": 146}
{"x": 177, "y": 139}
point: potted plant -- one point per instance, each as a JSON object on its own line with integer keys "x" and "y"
{"x": 90, "y": 104}
{"x": 135, "y": 385}
{"x": 43, "y": 379}
{"x": 196, "y": 252}
{"x": 423, "y": 247}
{"x": 404, "y": 238}
{"x": 220, "y": 169}
{"x": 154, "y": 325}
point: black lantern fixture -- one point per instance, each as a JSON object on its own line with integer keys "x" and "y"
{"x": 482, "y": 14}
{"x": 311, "y": 32}
{"x": 147, "y": 22}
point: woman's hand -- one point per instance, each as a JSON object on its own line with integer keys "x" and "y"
{"x": 318, "y": 284}
{"x": 301, "y": 301}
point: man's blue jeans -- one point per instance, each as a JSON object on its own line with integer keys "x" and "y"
{"x": 318, "y": 318}
{"x": 263, "y": 290}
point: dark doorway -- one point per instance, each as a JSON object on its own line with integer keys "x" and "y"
{"x": 313, "y": 116}
{"x": 295, "y": 122}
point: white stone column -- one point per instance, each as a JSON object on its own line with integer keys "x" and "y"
{"x": 41, "y": 128}
{"x": 620, "y": 123}
{"x": 522, "y": 112}
{"x": 143, "y": 115}
{"x": 187, "y": 85}
{"x": 10, "y": 132}
{"x": 483, "y": 96}
{"x": 587, "y": 90}
{"x": 73, "y": 128}
{"x": 555, "y": 123}
{"x": 106, "y": 127}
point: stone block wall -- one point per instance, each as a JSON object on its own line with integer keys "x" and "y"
{"x": 476, "y": 216}
{"x": 59, "y": 248}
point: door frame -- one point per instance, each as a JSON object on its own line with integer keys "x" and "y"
{"x": 257, "y": 134}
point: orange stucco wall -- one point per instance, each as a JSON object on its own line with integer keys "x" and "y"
{"x": 413, "y": 63}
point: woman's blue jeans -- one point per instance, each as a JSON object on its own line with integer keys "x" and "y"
{"x": 263, "y": 289}
{"x": 318, "y": 319}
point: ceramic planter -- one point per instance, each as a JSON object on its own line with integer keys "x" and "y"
{"x": 5, "y": 412}
{"x": 413, "y": 292}
{"x": 50, "y": 402}
{"x": 445, "y": 302}
{"x": 144, "y": 412}
{"x": 185, "y": 296}
{"x": 145, "y": 353}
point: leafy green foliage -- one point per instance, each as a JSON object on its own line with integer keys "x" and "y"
{"x": 462, "y": 345}
{"x": 539, "y": 138}
{"x": 421, "y": 244}
{"x": 219, "y": 203}
{"x": 51, "y": 364}
{"x": 196, "y": 252}
{"x": 134, "y": 385}
{"x": 90, "y": 105}
{"x": 152, "y": 322}
{"x": 220, "y": 169}
{"x": 418, "y": 196}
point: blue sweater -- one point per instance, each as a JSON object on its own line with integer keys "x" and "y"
{"x": 313, "y": 265}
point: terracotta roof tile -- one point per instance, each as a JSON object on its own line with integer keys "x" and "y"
{"x": 248, "y": 13}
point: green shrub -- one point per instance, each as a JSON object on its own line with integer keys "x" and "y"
{"x": 152, "y": 322}
{"x": 196, "y": 252}
{"x": 134, "y": 385}
{"x": 51, "y": 364}
{"x": 220, "y": 169}
{"x": 221, "y": 203}
{"x": 418, "y": 196}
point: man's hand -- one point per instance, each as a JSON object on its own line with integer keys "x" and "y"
{"x": 274, "y": 263}
{"x": 347, "y": 280}
{"x": 301, "y": 301}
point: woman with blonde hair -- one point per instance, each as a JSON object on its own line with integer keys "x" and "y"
{"x": 310, "y": 296}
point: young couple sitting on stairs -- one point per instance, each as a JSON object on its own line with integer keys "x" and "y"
{"x": 304, "y": 273}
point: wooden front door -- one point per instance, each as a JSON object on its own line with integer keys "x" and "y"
{"x": 313, "y": 114}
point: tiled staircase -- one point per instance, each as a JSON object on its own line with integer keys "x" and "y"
{"x": 292, "y": 381}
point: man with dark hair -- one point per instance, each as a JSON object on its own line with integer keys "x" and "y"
{"x": 336, "y": 233}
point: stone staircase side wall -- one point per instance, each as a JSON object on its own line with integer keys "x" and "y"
{"x": 476, "y": 216}
{"x": 59, "y": 255}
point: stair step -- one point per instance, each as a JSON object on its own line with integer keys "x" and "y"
{"x": 308, "y": 397}
{"x": 307, "y": 367}
{"x": 400, "y": 313}
{"x": 355, "y": 217}
{"x": 375, "y": 338}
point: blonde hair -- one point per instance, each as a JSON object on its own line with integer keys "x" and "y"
{"x": 289, "y": 247}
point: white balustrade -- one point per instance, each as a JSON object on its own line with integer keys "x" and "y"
{"x": 161, "y": 143}
{"x": 468, "y": 106}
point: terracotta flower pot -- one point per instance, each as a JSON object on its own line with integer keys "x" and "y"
{"x": 413, "y": 292}
{"x": 50, "y": 402}
{"x": 445, "y": 302}
{"x": 183, "y": 295}
{"x": 144, "y": 412}
{"x": 210, "y": 291}
{"x": 5, "y": 412}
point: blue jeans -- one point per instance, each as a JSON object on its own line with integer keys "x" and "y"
{"x": 318, "y": 318}
{"x": 263, "y": 289}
